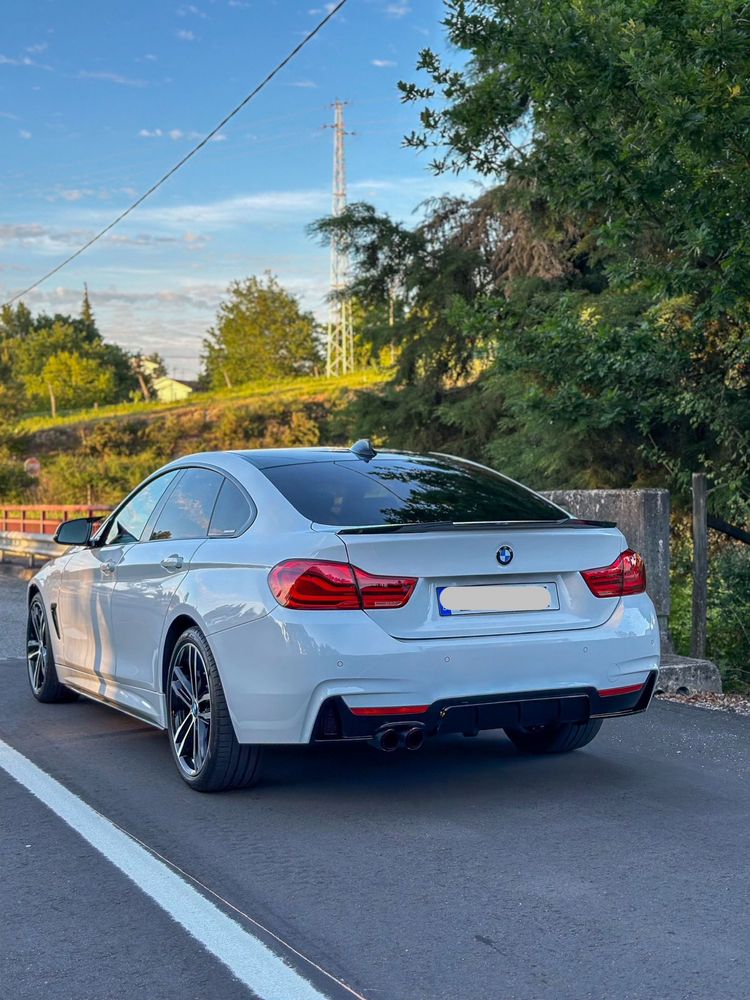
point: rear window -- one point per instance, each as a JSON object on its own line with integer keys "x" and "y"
{"x": 405, "y": 491}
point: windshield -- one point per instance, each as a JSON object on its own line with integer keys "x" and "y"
{"x": 406, "y": 491}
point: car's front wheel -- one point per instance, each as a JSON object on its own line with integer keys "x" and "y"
{"x": 40, "y": 660}
{"x": 202, "y": 737}
{"x": 560, "y": 738}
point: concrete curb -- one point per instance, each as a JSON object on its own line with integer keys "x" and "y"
{"x": 684, "y": 675}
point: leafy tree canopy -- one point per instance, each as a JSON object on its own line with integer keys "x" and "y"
{"x": 260, "y": 332}
{"x": 585, "y": 320}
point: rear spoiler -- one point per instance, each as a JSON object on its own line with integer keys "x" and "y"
{"x": 426, "y": 527}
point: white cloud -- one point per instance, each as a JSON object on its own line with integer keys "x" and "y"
{"x": 188, "y": 9}
{"x": 266, "y": 206}
{"x": 398, "y": 9}
{"x": 24, "y": 133}
{"x": 39, "y": 237}
{"x": 75, "y": 194}
{"x": 185, "y": 36}
{"x": 39, "y": 47}
{"x": 9, "y": 116}
{"x": 22, "y": 61}
{"x": 124, "y": 81}
{"x": 303, "y": 84}
{"x": 382, "y": 63}
{"x": 177, "y": 133}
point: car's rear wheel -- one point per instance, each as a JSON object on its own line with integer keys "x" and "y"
{"x": 201, "y": 734}
{"x": 39, "y": 657}
{"x": 561, "y": 738}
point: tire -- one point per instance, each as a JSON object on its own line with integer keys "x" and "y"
{"x": 202, "y": 739}
{"x": 40, "y": 660}
{"x": 562, "y": 738}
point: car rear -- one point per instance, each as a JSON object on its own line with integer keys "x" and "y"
{"x": 461, "y": 601}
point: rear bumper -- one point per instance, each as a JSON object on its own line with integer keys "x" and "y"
{"x": 279, "y": 670}
{"x": 337, "y": 723}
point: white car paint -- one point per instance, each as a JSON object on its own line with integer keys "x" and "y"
{"x": 115, "y": 606}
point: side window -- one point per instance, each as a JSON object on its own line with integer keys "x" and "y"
{"x": 188, "y": 510}
{"x": 232, "y": 511}
{"x": 128, "y": 524}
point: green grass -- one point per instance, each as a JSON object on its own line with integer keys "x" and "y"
{"x": 282, "y": 390}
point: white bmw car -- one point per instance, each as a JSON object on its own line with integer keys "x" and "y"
{"x": 331, "y": 595}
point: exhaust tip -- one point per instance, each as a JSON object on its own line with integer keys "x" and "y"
{"x": 414, "y": 738}
{"x": 387, "y": 740}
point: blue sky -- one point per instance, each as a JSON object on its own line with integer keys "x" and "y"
{"x": 98, "y": 99}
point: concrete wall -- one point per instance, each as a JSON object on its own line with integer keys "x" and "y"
{"x": 643, "y": 517}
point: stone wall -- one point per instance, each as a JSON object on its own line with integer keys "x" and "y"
{"x": 643, "y": 517}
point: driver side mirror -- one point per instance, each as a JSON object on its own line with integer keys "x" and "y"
{"x": 78, "y": 531}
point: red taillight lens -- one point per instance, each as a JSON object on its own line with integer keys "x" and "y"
{"x": 310, "y": 584}
{"x": 306, "y": 584}
{"x": 383, "y": 591}
{"x": 626, "y": 575}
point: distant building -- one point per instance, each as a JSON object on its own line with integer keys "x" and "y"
{"x": 171, "y": 390}
{"x": 168, "y": 389}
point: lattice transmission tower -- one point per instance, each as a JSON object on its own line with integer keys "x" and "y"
{"x": 340, "y": 341}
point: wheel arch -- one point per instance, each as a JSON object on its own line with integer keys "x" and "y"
{"x": 179, "y": 625}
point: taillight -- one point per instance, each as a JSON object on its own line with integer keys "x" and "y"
{"x": 626, "y": 575}
{"x": 311, "y": 584}
{"x": 306, "y": 584}
{"x": 383, "y": 591}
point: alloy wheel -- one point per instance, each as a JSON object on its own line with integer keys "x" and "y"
{"x": 189, "y": 708}
{"x": 36, "y": 646}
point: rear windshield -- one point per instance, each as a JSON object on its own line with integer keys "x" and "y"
{"x": 405, "y": 491}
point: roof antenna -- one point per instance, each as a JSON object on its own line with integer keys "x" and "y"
{"x": 363, "y": 449}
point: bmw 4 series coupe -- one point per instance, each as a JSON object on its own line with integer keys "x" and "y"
{"x": 328, "y": 595}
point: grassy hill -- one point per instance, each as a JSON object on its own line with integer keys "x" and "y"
{"x": 101, "y": 453}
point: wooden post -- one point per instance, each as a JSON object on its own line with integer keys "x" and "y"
{"x": 700, "y": 566}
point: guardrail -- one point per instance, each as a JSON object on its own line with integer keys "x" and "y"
{"x": 28, "y": 547}
{"x": 43, "y": 519}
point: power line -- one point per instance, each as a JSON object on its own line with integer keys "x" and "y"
{"x": 253, "y": 93}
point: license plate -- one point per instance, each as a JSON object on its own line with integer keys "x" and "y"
{"x": 497, "y": 598}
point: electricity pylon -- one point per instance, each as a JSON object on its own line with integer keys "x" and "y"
{"x": 340, "y": 341}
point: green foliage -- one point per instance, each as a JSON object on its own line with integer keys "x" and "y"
{"x": 260, "y": 332}
{"x": 62, "y": 352}
{"x": 14, "y": 483}
{"x": 634, "y": 114}
{"x": 728, "y": 618}
{"x": 72, "y": 380}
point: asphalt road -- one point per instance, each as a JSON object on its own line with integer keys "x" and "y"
{"x": 621, "y": 871}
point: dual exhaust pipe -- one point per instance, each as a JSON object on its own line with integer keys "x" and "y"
{"x": 391, "y": 738}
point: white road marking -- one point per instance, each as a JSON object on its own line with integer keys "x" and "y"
{"x": 246, "y": 957}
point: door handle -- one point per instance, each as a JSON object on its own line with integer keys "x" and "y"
{"x": 108, "y": 567}
{"x": 172, "y": 562}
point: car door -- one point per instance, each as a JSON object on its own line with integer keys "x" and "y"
{"x": 150, "y": 572}
{"x": 88, "y": 580}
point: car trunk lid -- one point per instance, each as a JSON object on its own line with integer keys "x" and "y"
{"x": 544, "y": 557}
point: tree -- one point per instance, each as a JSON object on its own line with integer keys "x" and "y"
{"x": 617, "y": 322}
{"x": 260, "y": 332}
{"x": 27, "y": 343}
{"x": 631, "y": 114}
{"x": 87, "y": 313}
{"x": 70, "y": 380}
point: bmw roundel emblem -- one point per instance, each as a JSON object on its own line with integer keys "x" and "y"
{"x": 504, "y": 555}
